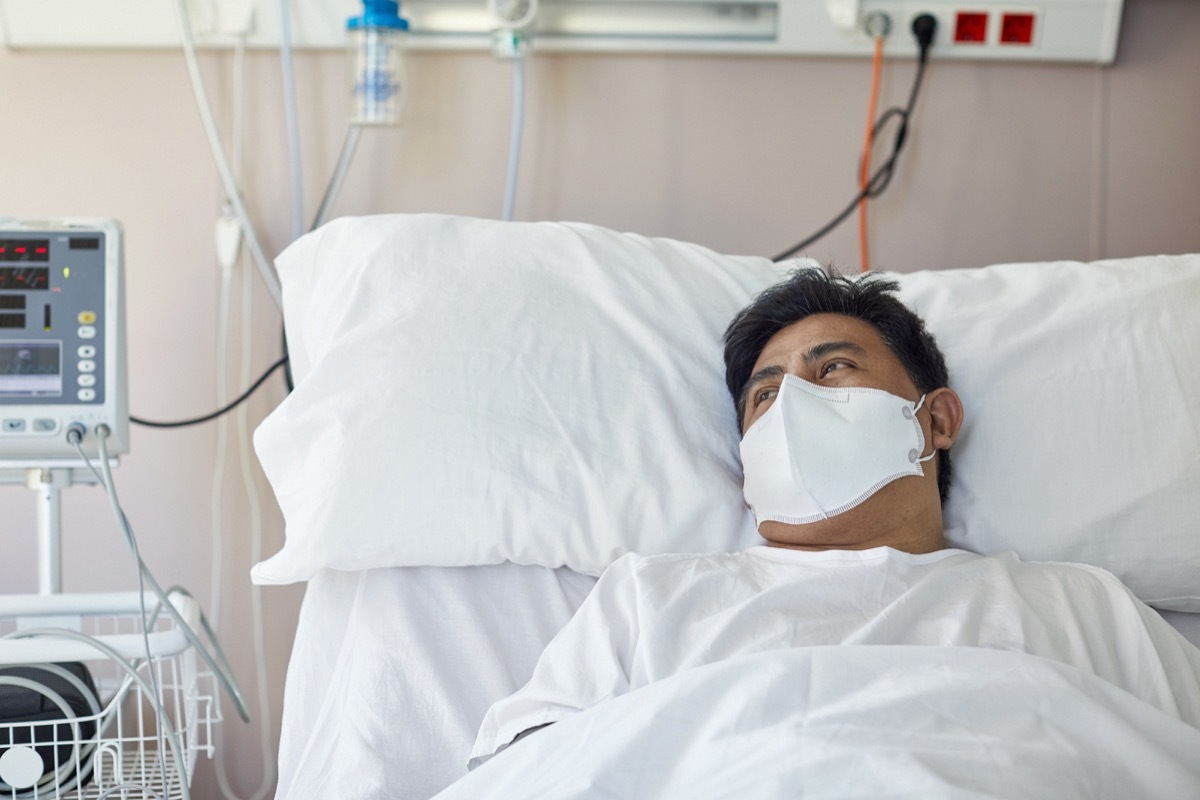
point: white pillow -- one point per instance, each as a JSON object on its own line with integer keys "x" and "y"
{"x": 1081, "y": 384}
{"x": 470, "y": 391}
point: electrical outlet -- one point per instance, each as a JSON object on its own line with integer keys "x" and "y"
{"x": 1017, "y": 28}
{"x": 970, "y": 27}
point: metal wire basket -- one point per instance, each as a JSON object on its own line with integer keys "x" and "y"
{"x": 113, "y": 723}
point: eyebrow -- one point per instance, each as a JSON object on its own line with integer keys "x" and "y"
{"x": 819, "y": 351}
{"x": 813, "y": 354}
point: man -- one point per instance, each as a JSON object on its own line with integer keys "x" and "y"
{"x": 830, "y": 333}
{"x": 847, "y": 420}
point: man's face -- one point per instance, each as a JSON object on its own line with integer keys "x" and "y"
{"x": 836, "y": 351}
{"x": 828, "y": 350}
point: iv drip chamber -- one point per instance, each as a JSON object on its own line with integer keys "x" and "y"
{"x": 376, "y": 41}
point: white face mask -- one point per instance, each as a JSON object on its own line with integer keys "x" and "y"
{"x": 820, "y": 451}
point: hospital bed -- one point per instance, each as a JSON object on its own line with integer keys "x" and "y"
{"x": 487, "y": 414}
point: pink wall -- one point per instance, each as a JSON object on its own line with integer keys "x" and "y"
{"x": 747, "y": 155}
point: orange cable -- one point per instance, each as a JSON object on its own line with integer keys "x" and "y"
{"x": 864, "y": 177}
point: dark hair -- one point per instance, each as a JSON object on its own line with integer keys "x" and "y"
{"x": 813, "y": 291}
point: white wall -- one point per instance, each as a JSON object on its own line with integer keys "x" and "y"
{"x": 1005, "y": 163}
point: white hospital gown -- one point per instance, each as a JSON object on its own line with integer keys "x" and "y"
{"x": 651, "y": 617}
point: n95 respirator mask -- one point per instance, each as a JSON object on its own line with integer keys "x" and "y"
{"x": 820, "y": 451}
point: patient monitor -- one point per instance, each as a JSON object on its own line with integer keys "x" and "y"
{"x": 62, "y": 340}
{"x": 62, "y": 363}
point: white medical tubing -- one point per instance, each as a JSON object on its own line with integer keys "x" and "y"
{"x": 229, "y": 262}
{"x": 293, "y": 118}
{"x": 232, "y": 193}
{"x": 106, "y": 481}
{"x": 511, "y": 35}
{"x": 216, "y": 575}
{"x": 349, "y": 145}
{"x": 218, "y": 477}
{"x": 238, "y": 105}
{"x": 514, "y": 141}
{"x": 256, "y": 538}
{"x": 223, "y": 676}
{"x": 1098, "y": 213}
{"x": 228, "y": 251}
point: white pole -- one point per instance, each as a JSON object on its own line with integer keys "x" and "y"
{"x": 49, "y": 483}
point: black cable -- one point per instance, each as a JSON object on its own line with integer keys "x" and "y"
{"x": 923, "y": 27}
{"x": 287, "y": 369}
{"x": 246, "y": 394}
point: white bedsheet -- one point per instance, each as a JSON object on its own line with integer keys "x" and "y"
{"x": 425, "y": 645}
{"x": 856, "y": 721}
{"x": 1187, "y": 624}
{"x": 393, "y": 669}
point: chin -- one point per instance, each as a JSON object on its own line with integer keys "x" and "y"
{"x": 912, "y": 527}
{"x": 826, "y": 534}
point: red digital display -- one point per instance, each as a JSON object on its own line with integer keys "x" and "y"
{"x": 24, "y": 250}
{"x": 24, "y": 278}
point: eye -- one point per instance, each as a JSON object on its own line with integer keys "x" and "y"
{"x": 765, "y": 394}
{"x": 760, "y": 400}
{"x": 836, "y": 365}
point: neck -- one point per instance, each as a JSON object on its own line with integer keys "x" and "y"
{"x": 915, "y": 545}
{"x": 911, "y": 527}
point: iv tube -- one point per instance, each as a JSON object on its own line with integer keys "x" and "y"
{"x": 376, "y": 41}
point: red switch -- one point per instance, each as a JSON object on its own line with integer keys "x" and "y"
{"x": 970, "y": 27}
{"x": 1016, "y": 29}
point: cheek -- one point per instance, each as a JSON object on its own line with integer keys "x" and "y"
{"x": 754, "y": 415}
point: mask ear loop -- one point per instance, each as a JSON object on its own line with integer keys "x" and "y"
{"x": 914, "y": 456}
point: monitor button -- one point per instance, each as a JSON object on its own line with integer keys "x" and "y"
{"x": 87, "y": 394}
{"x": 87, "y": 380}
{"x": 87, "y": 332}
{"x": 87, "y": 351}
{"x": 45, "y": 425}
{"x": 14, "y": 426}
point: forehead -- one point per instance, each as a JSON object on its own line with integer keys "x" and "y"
{"x": 788, "y": 347}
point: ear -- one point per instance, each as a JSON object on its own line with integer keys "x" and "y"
{"x": 945, "y": 417}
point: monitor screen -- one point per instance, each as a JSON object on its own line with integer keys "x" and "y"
{"x": 30, "y": 369}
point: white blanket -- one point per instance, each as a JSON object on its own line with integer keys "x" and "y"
{"x": 856, "y": 721}
{"x": 652, "y": 617}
